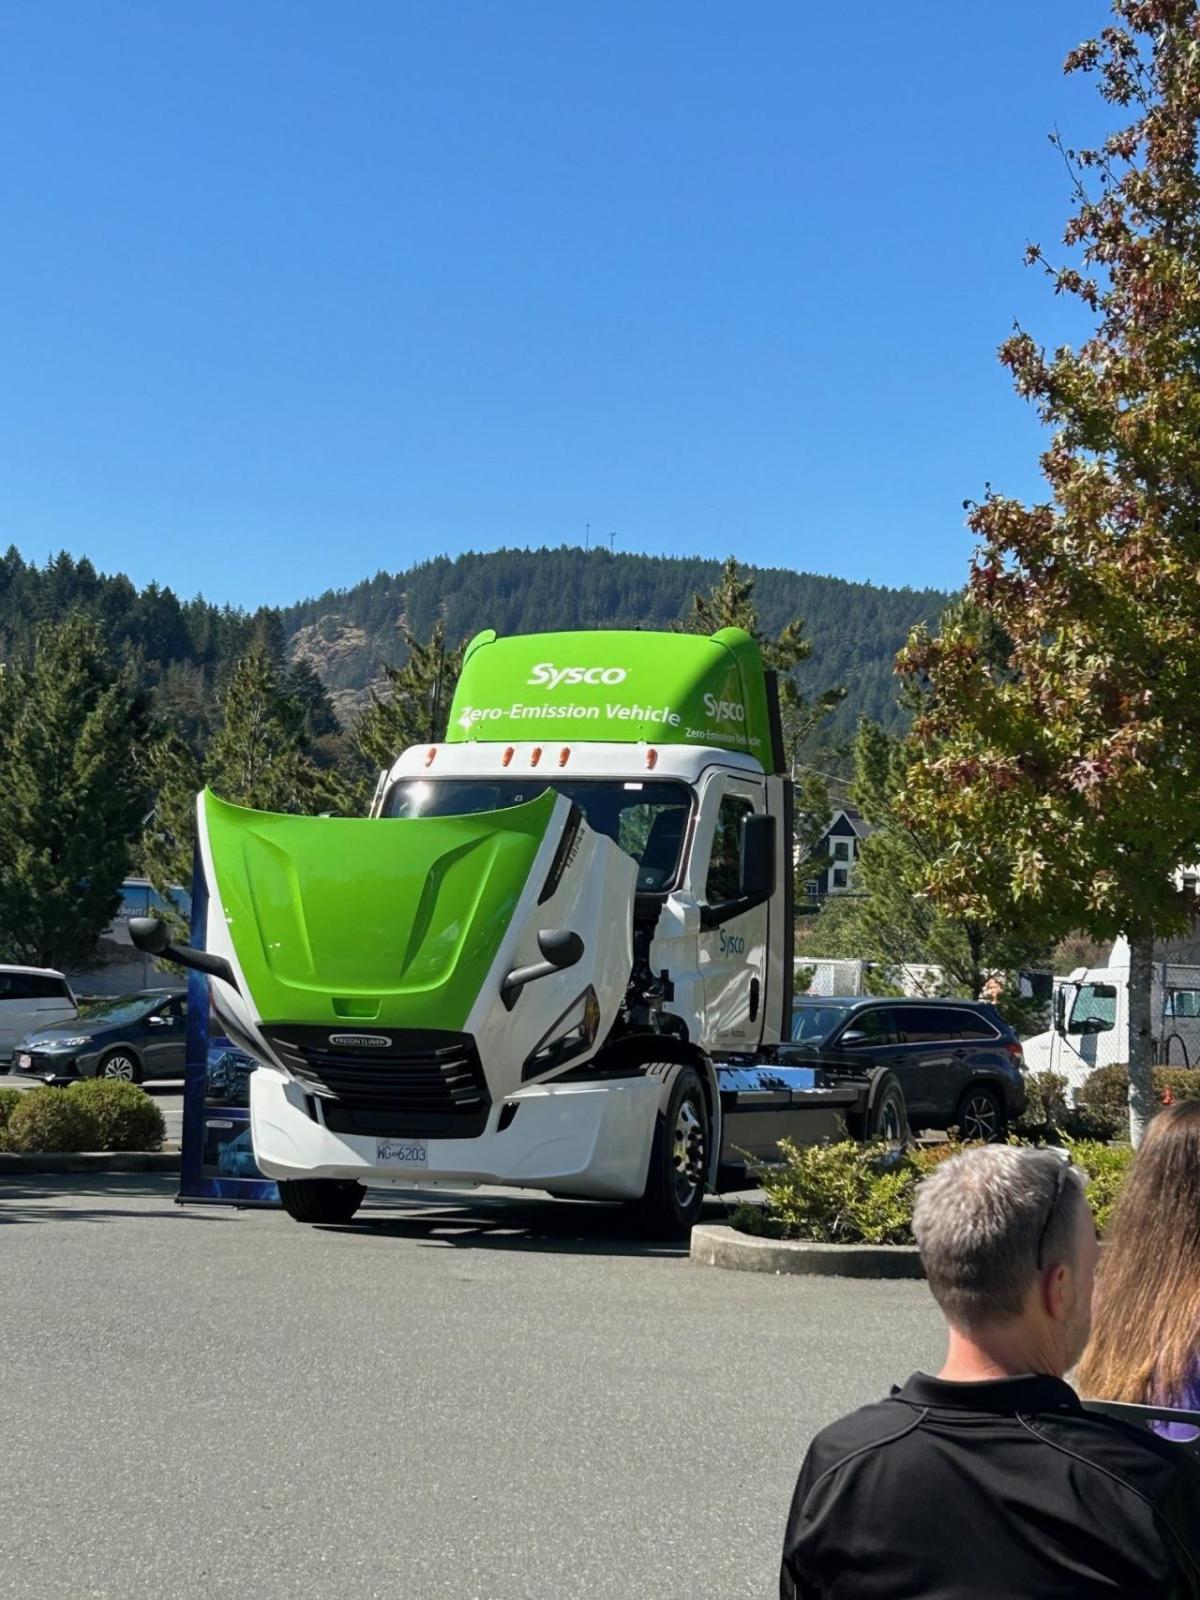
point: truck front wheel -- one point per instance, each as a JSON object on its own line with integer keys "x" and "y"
{"x": 321, "y": 1199}
{"x": 674, "y": 1193}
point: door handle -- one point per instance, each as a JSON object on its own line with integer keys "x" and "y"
{"x": 754, "y": 991}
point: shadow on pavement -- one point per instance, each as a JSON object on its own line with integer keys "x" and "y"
{"x": 67, "y": 1197}
{"x": 485, "y": 1222}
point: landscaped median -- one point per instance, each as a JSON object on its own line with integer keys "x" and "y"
{"x": 95, "y": 1125}
{"x": 845, "y": 1210}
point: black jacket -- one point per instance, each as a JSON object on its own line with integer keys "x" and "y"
{"x": 976, "y": 1491}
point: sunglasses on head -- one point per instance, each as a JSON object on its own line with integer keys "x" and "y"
{"x": 1060, "y": 1183}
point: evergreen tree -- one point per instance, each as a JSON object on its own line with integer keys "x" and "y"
{"x": 260, "y": 755}
{"x": 71, "y": 798}
{"x": 731, "y": 604}
{"x": 416, "y": 707}
{"x": 174, "y": 777}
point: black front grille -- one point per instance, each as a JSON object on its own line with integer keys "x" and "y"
{"x": 414, "y": 1083}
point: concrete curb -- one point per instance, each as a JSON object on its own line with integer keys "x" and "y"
{"x": 714, "y": 1246}
{"x": 20, "y": 1166}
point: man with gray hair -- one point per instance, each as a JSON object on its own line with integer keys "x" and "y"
{"x": 990, "y": 1479}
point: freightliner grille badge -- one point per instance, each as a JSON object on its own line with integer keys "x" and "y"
{"x": 356, "y": 1041}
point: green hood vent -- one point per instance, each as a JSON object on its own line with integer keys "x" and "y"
{"x": 395, "y": 922}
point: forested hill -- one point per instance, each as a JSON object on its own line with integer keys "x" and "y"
{"x": 180, "y": 650}
{"x": 855, "y": 628}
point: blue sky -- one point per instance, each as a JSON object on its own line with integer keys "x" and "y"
{"x": 290, "y": 292}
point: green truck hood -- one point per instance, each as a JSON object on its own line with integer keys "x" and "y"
{"x": 395, "y": 922}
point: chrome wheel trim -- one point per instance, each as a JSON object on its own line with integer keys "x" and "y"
{"x": 980, "y": 1121}
{"x": 687, "y": 1154}
{"x": 119, "y": 1067}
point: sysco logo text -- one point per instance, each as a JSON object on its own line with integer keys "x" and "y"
{"x": 724, "y": 710}
{"x": 546, "y": 675}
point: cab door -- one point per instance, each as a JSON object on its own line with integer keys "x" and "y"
{"x": 733, "y": 949}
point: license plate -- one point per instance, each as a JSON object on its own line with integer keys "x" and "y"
{"x": 24, "y": 1061}
{"x": 410, "y": 1153}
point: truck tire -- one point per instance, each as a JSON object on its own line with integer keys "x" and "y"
{"x": 321, "y": 1199}
{"x": 674, "y": 1192}
{"x": 887, "y": 1116}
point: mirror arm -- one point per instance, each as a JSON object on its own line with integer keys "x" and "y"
{"x": 510, "y": 989}
{"x": 149, "y": 934}
{"x": 183, "y": 955}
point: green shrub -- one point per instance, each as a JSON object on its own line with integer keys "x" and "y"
{"x": 863, "y": 1194}
{"x": 846, "y": 1193}
{"x": 1105, "y": 1094}
{"x": 1048, "y": 1119}
{"x": 126, "y": 1117}
{"x": 1106, "y": 1166}
{"x": 52, "y": 1119}
{"x": 10, "y": 1099}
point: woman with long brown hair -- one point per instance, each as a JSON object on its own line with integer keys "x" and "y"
{"x": 1145, "y": 1343}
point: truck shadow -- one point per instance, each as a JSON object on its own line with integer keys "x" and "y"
{"x": 91, "y": 1197}
{"x": 482, "y": 1222}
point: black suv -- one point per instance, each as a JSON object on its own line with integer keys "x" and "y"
{"x": 959, "y": 1063}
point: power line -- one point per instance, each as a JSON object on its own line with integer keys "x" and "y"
{"x": 832, "y": 776}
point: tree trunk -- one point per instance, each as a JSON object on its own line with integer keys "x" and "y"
{"x": 1142, "y": 1100}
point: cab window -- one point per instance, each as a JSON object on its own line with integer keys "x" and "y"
{"x": 1095, "y": 1009}
{"x": 722, "y": 881}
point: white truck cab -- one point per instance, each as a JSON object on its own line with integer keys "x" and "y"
{"x": 1091, "y": 1019}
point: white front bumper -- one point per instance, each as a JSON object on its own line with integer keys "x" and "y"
{"x": 587, "y": 1139}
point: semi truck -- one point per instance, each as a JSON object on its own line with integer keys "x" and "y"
{"x": 1091, "y": 1015}
{"x": 557, "y": 954}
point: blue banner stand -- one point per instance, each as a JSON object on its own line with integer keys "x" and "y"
{"x": 217, "y": 1162}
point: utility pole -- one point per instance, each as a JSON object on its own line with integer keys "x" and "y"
{"x": 611, "y": 537}
{"x": 587, "y": 537}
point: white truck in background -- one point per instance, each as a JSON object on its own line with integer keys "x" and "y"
{"x": 1091, "y": 1016}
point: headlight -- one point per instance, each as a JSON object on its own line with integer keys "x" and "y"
{"x": 570, "y": 1036}
{"x": 67, "y": 1044}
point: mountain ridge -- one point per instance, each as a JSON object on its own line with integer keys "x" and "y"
{"x": 855, "y": 627}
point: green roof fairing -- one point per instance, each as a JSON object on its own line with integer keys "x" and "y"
{"x": 618, "y": 686}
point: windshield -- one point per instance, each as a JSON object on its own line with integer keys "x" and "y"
{"x": 129, "y": 1009}
{"x": 1095, "y": 1009}
{"x": 812, "y": 1024}
{"x": 647, "y": 820}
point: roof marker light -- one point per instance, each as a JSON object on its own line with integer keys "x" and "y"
{"x": 507, "y": 756}
{"x": 651, "y": 759}
{"x": 536, "y": 756}
{"x": 564, "y": 755}
{"x": 429, "y": 755}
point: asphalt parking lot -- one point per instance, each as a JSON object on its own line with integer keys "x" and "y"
{"x": 459, "y": 1399}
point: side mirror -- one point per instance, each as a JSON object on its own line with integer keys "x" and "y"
{"x": 756, "y": 872}
{"x": 151, "y": 935}
{"x": 851, "y": 1038}
{"x": 560, "y": 949}
{"x": 756, "y": 858}
{"x": 1060, "y": 1009}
